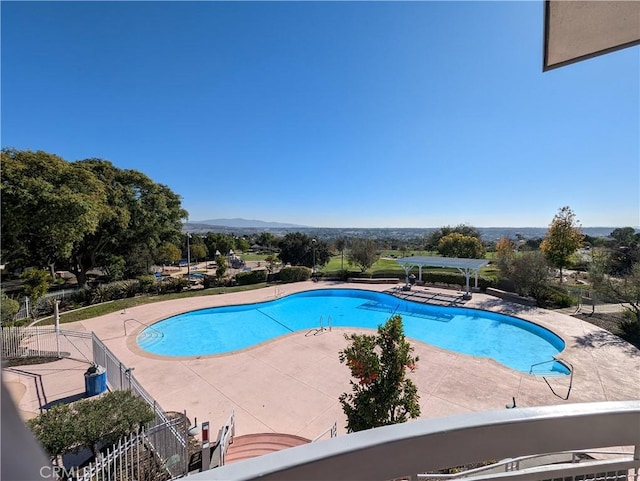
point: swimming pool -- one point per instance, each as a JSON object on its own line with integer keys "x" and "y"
{"x": 511, "y": 341}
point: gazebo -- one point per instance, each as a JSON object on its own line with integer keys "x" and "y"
{"x": 465, "y": 266}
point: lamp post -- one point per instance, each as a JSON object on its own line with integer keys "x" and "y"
{"x": 188, "y": 259}
{"x": 313, "y": 243}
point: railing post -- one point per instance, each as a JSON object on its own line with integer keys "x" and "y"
{"x": 56, "y": 315}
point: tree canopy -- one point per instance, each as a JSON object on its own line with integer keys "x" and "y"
{"x": 624, "y": 289}
{"x": 623, "y": 251}
{"x": 83, "y": 214}
{"x": 563, "y": 239}
{"x": 530, "y": 273}
{"x": 460, "y": 245}
{"x": 219, "y": 242}
{"x": 383, "y": 394}
{"x": 434, "y": 238}
{"x": 68, "y": 427}
{"x": 48, "y": 206}
{"x": 299, "y": 249}
{"x": 505, "y": 253}
{"x": 363, "y": 253}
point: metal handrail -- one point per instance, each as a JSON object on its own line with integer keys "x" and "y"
{"x": 511, "y": 464}
{"x": 318, "y": 330}
{"x": 229, "y": 431}
{"x": 565, "y": 363}
{"x": 333, "y": 429}
{"x": 124, "y": 325}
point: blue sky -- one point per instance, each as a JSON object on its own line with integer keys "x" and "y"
{"x": 330, "y": 114}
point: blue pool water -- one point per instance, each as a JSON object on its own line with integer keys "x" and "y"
{"x": 516, "y": 343}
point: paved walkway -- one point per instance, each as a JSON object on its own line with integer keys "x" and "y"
{"x": 291, "y": 384}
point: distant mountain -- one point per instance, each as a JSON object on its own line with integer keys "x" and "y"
{"x": 246, "y": 223}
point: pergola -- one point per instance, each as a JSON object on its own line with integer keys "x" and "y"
{"x": 465, "y": 266}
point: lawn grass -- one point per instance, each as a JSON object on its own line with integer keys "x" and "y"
{"x": 391, "y": 267}
{"x": 384, "y": 264}
{"x": 121, "y": 304}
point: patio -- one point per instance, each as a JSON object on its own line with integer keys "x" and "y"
{"x": 291, "y": 384}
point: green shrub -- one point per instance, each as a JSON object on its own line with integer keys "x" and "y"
{"x": 8, "y": 308}
{"x": 209, "y": 281}
{"x": 147, "y": 283}
{"x": 128, "y": 288}
{"x": 294, "y": 274}
{"x": 251, "y": 277}
{"x": 630, "y": 325}
{"x": 378, "y": 274}
{"x": 457, "y": 279}
{"x": 102, "y": 293}
{"x": 46, "y": 306}
{"x": 176, "y": 284}
{"x": 82, "y": 297}
{"x": 554, "y": 297}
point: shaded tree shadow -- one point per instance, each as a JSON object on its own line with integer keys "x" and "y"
{"x": 65, "y": 400}
{"x": 602, "y": 338}
{"x": 504, "y": 307}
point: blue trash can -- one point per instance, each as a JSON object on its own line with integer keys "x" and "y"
{"x": 95, "y": 380}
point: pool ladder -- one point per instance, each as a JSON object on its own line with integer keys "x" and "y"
{"x": 549, "y": 374}
{"x": 151, "y": 333}
{"x": 319, "y": 330}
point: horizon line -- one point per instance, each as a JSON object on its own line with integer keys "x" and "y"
{"x": 412, "y": 227}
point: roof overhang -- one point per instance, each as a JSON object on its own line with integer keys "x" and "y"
{"x": 455, "y": 262}
{"x": 579, "y": 30}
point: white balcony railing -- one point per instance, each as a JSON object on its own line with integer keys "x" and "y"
{"x": 404, "y": 451}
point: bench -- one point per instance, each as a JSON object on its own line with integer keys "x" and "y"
{"x": 511, "y": 296}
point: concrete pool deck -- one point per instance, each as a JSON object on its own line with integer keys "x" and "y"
{"x": 292, "y": 384}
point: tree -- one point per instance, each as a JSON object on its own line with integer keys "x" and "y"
{"x": 56, "y": 430}
{"x": 138, "y": 216}
{"x": 168, "y": 253}
{"x": 271, "y": 263}
{"x": 505, "y": 251}
{"x": 383, "y": 394}
{"x": 460, "y": 245}
{"x": 299, "y": 249}
{"x": 242, "y": 244}
{"x": 563, "y": 239}
{"x": 530, "y": 273}
{"x": 434, "y": 238}
{"x": 266, "y": 239}
{"x": 221, "y": 267}
{"x": 222, "y": 243}
{"x": 48, "y": 205}
{"x": 198, "y": 251}
{"x": 341, "y": 244}
{"x": 625, "y": 236}
{"x": 363, "y": 253}
{"x": 35, "y": 284}
{"x": 8, "y": 308}
{"x": 625, "y": 289}
{"x": 624, "y": 251}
